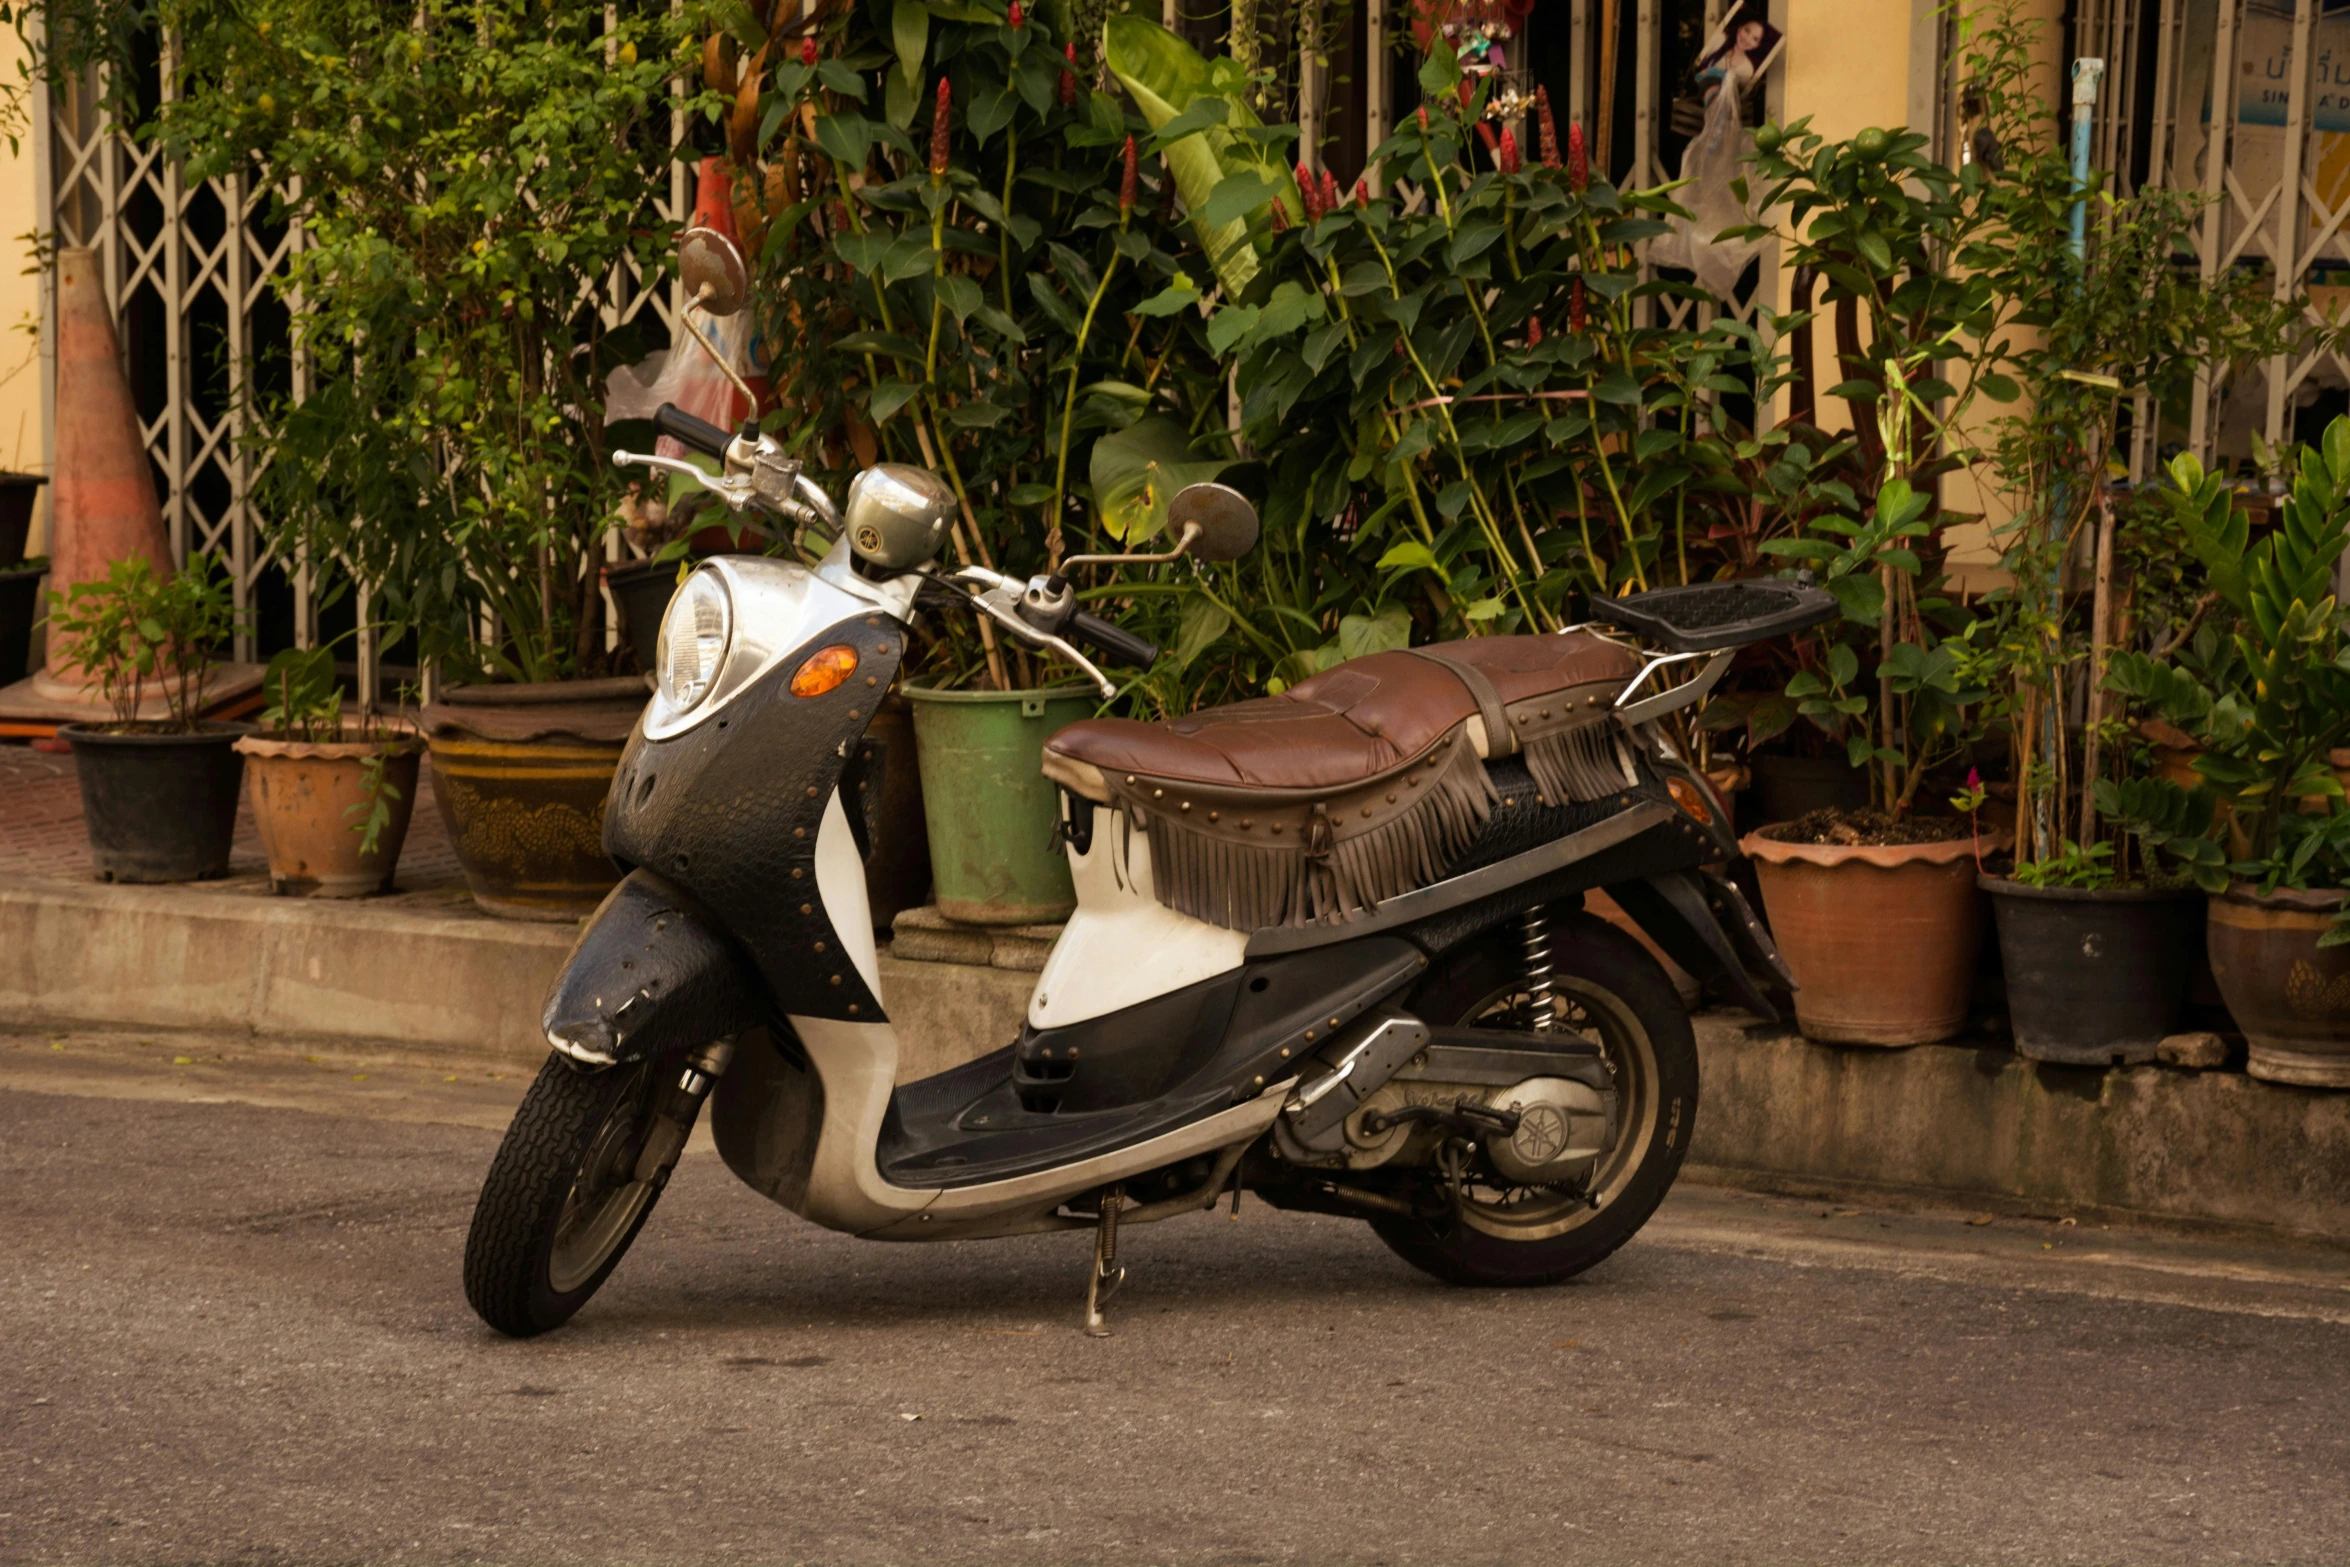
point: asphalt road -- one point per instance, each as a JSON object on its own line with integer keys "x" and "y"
{"x": 231, "y": 1331}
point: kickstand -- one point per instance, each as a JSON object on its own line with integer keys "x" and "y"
{"x": 1106, "y": 1275}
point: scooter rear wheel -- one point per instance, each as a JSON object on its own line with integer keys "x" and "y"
{"x": 1607, "y": 988}
{"x": 561, "y": 1202}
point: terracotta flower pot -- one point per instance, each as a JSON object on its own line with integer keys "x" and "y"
{"x": 1882, "y": 940}
{"x": 520, "y": 773}
{"x": 310, "y": 801}
{"x": 2290, "y": 996}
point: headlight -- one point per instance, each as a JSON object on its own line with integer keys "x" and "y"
{"x": 694, "y": 634}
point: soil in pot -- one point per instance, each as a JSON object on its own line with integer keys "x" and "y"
{"x": 2290, "y": 996}
{"x": 989, "y": 806}
{"x": 1784, "y": 788}
{"x": 158, "y": 807}
{"x": 2095, "y": 976}
{"x": 1882, "y": 937}
{"x": 520, "y": 773}
{"x": 311, "y": 799}
{"x": 20, "y": 606}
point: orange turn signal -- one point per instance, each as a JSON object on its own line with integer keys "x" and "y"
{"x": 825, "y": 669}
{"x": 1685, "y": 794}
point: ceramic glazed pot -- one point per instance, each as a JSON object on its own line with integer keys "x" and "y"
{"x": 309, "y": 802}
{"x": 1882, "y": 941}
{"x": 158, "y": 807}
{"x": 2095, "y": 976}
{"x": 2290, "y": 996}
{"x": 520, "y": 773}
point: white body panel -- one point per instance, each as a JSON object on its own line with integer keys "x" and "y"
{"x": 840, "y": 882}
{"x": 857, "y": 1063}
{"x": 1123, "y": 946}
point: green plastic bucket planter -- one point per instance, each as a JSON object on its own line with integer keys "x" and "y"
{"x": 986, "y": 802}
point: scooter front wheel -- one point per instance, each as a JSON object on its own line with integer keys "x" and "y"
{"x": 562, "y": 1200}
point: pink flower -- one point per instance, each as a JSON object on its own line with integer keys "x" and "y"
{"x": 942, "y": 127}
{"x": 1069, "y": 75}
{"x": 1018, "y": 16}
{"x": 808, "y": 51}
{"x": 1510, "y": 163}
{"x": 1127, "y": 182}
{"x": 1550, "y": 130}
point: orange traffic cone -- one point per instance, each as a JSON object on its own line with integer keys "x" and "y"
{"x": 102, "y": 504}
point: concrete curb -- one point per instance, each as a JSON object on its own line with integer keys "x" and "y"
{"x": 1779, "y": 1112}
{"x": 327, "y": 970}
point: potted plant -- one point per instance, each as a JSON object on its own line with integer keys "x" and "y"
{"x": 983, "y": 286}
{"x": 159, "y": 794}
{"x": 331, "y": 799}
{"x": 450, "y": 452}
{"x": 2267, "y": 719}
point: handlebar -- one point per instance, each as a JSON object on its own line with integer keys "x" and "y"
{"x": 1114, "y": 642}
{"x": 688, "y": 430}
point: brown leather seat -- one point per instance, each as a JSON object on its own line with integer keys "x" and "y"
{"x": 1356, "y": 722}
{"x": 1357, "y": 785}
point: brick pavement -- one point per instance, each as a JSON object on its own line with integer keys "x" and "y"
{"x": 41, "y": 835}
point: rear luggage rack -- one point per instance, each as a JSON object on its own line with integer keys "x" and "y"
{"x": 1706, "y": 616}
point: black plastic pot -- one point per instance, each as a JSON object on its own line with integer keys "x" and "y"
{"x": 2095, "y": 977}
{"x": 20, "y": 606}
{"x": 158, "y": 807}
{"x": 642, "y": 589}
{"x": 17, "y": 492}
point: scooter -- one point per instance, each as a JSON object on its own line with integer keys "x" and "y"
{"x": 1329, "y": 946}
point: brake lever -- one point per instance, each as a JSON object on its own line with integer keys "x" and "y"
{"x": 986, "y": 604}
{"x": 734, "y": 489}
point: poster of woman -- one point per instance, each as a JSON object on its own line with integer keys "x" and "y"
{"x": 1740, "y": 51}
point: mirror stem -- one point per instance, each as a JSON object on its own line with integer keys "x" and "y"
{"x": 686, "y": 318}
{"x": 1191, "y": 531}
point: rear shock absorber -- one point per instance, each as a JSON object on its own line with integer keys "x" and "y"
{"x": 1543, "y": 1002}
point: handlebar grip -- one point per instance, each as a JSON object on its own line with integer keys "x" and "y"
{"x": 686, "y": 429}
{"x": 1112, "y": 642}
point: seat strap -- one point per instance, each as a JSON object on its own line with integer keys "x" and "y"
{"x": 1500, "y": 740}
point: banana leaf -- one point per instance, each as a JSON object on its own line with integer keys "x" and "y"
{"x": 1166, "y": 78}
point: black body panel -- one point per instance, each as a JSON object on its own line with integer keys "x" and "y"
{"x": 730, "y": 811}
{"x": 1676, "y": 911}
{"x": 651, "y": 972}
{"x": 1066, "y": 1094}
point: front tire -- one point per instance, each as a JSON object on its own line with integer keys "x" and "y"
{"x": 1608, "y": 988}
{"x": 561, "y": 1204}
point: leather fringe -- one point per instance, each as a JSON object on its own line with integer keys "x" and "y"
{"x": 1575, "y": 766}
{"x": 1328, "y": 878}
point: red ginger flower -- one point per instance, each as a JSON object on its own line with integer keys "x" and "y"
{"x": 942, "y": 127}
{"x": 1422, "y": 112}
{"x": 808, "y": 51}
{"x": 1126, "y": 182}
{"x": 1329, "y": 193}
{"x": 1550, "y": 130}
{"x": 1468, "y": 90}
{"x": 1578, "y": 160}
{"x": 1362, "y": 196}
{"x": 1510, "y": 162}
{"x": 1280, "y": 217}
{"x": 1575, "y": 309}
{"x": 1485, "y": 135}
{"x": 1306, "y": 192}
{"x": 1533, "y": 331}
{"x": 1018, "y": 16}
{"x": 1069, "y": 74}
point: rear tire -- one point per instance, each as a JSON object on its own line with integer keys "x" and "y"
{"x": 1608, "y": 988}
{"x": 559, "y": 1206}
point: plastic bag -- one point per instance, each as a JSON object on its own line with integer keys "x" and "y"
{"x": 1710, "y": 163}
{"x": 684, "y": 375}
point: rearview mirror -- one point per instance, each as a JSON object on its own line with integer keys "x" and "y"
{"x": 1227, "y": 523}
{"x": 713, "y": 270}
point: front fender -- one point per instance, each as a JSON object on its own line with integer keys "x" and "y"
{"x": 651, "y": 972}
